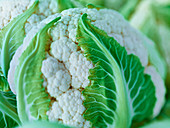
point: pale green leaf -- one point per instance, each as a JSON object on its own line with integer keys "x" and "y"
{"x": 12, "y": 35}
{"x": 8, "y": 110}
{"x": 43, "y": 124}
{"x": 120, "y": 92}
{"x": 32, "y": 100}
{"x": 165, "y": 123}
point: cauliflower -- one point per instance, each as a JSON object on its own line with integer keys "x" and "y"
{"x": 66, "y": 70}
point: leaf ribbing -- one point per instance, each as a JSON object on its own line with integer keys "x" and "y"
{"x": 119, "y": 89}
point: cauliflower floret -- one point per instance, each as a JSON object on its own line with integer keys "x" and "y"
{"x": 160, "y": 89}
{"x": 79, "y": 69}
{"x": 69, "y": 108}
{"x": 61, "y": 49}
{"x": 58, "y": 78}
{"x": 51, "y": 70}
{"x": 59, "y": 83}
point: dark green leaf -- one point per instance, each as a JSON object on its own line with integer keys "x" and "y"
{"x": 119, "y": 89}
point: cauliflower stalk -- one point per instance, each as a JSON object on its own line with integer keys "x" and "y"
{"x": 85, "y": 67}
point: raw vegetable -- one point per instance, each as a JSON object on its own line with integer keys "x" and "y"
{"x": 65, "y": 73}
{"x": 119, "y": 89}
{"x": 4, "y": 86}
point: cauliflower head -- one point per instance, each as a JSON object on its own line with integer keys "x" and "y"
{"x": 65, "y": 68}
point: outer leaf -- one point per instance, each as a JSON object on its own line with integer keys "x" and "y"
{"x": 43, "y": 124}
{"x": 8, "y": 111}
{"x": 32, "y": 100}
{"x": 11, "y": 37}
{"x": 120, "y": 92}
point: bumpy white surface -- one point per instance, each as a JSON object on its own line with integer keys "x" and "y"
{"x": 69, "y": 108}
{"x": 66, "y": 71}
{"x": 62, "y": 49}
{"x": 9, "y": 9}
{"x": 58, "y": 78}
{"x": 79, "y": 70}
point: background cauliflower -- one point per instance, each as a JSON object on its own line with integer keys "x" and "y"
{"x": 10, "y": 9}
{"x": 66, "y": 70}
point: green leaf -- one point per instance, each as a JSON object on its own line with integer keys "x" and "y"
{"x": 8, "y": 110}
{"x": 43, "y": 124}
{"x": 165, "y": 123}
{"x": 4, "y": 86}
{"x": 67, "y": 4}
{"x": 11, "y": 37}
{"x": 32, "y": 100}
{"x": 119, "y": 92}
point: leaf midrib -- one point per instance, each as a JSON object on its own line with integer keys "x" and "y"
{"x": 123, "y": 111}
{"x": 21, "y": 96}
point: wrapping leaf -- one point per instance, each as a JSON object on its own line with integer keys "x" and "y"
{"x": 8, "y": 110}
{"x": 12, "y": 36}
{"x": 32, "y": 100}
{"x": 119, "y": 90}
